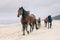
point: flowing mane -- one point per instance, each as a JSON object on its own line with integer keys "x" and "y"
{"x": 24, "y": 14}
{"x": 27, "y": 19}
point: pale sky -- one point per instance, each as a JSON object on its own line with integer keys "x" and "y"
{"x": 40, "y": 8}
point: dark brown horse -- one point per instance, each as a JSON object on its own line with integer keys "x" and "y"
{"x": 45, "y": 21}
{"x": 26, "y": 19}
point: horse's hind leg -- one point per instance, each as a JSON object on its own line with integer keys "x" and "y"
{"x": 39, "y": 25}
{"x": 50, "y": 25}
{"x": 31, "y": 28}
{"x": 45, "y": 24}
{"x": 36, "y": 25}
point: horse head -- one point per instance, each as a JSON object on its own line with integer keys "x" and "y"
{"x": 20, "y": 11}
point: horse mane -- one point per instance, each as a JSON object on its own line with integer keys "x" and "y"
{"x": 25, "y": 13}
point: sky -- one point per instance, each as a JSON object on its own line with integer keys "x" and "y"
{"x": 40, "y": 8}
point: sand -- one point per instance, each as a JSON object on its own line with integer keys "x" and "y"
{"x": 14, "y": 32}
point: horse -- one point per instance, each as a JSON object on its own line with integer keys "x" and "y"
{"x": 26, "y": 19}
{"x": 45, "y": 21}
{"x": 39, "y": 22}
{"x": 49, "y": 21}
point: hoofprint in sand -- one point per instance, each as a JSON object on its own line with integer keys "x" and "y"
{"x": 14, "y": 32}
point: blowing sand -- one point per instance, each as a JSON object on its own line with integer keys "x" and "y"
{"x": 14, "y": 32}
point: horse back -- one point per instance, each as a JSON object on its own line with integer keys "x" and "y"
{"x": 30, "y": 18}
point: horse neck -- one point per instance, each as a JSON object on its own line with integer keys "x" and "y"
{"x": 24, "y": 15}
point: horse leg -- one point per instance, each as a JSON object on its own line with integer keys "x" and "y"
{"x": 26, "y": 28}
{"x": 39, "y": 25}
{"x": 31, "y": 28}
{"x": 45, "y": 24}
{"x": 23, "y": 29}
{"x": 35, "y": 25}
{"x": 50, "y": 24}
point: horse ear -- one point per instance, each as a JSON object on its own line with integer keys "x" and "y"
{"x": 22, "y": 7}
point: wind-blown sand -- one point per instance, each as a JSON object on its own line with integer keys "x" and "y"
{"x": 14, "y": 32}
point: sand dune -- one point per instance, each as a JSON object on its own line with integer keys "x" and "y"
{"x": 14, "y": 32}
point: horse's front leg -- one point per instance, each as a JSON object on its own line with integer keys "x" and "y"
{"x": 31, "y": 28}
{"x": 39, "y": 24}
{"x": 45, "y": 24}
{"x": 36, "y": 25}
{"x": 26, "y": 27}
{"x": 23, "y": 28}
{"x": 50, "y": 24}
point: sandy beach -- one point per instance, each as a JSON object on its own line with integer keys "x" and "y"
{"x": 14, "y": 32}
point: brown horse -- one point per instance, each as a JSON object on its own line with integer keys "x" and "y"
{"x": 26, "y": 19}
{"x": 45, "y": 21}
{"x": 39, "y": 22}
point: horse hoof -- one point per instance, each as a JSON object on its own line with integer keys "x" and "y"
{"x": 23, "y": 34}
{"x": 28, "y": 32}
{"x": 31, "y": 30}
{"x": 37, "y": 28}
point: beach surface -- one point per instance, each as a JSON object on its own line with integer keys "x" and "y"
{"x": 14, "y": 32}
